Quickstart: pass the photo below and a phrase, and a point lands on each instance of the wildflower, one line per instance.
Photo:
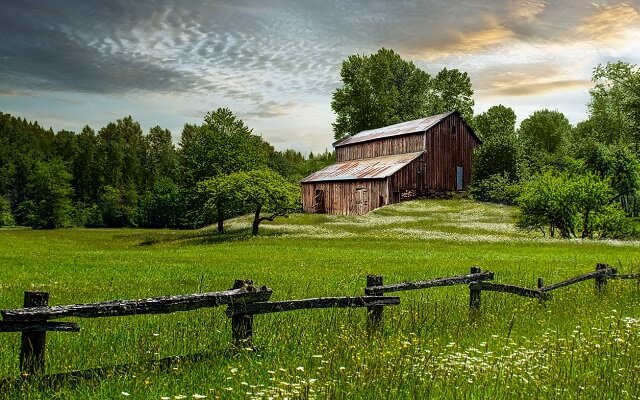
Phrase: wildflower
(199, 396)
(125, 393)
(300, 369)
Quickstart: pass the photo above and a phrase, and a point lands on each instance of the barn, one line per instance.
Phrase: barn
(424, 157)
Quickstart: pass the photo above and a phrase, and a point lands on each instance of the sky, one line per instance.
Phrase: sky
(276, 63)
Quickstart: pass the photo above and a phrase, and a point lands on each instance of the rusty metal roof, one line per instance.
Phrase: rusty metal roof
(403, 128)
(367, 168)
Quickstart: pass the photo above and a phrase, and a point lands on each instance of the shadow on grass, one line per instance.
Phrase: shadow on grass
(95, 375)
(204, 237)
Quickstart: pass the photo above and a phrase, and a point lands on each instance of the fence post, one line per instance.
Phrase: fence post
(33, 343)
(242, 325)
(600, 281)
(374, 313)
(540, 285)
(474, 291)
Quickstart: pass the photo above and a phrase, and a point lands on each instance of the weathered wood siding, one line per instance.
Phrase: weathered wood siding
(381, 147)
(447, 145)
(346, 197)
(446, 149)
(342, 197)
(411, 177)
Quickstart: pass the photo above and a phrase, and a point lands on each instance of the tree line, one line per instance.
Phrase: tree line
(120, 177)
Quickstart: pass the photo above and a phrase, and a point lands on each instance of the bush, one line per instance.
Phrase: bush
(564, 203)
(6, 217)
(497, 188)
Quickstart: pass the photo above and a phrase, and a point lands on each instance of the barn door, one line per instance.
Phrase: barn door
(459, 178)
(319, 201)
(361, 201)
(421, 175)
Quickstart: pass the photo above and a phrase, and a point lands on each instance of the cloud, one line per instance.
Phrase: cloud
(270, 109)
(526, 10)
(609, 24)
(538, 88)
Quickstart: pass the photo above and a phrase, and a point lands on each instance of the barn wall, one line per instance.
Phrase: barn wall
(446, 150)
(411, 178)
(341, 197)
(383, 147)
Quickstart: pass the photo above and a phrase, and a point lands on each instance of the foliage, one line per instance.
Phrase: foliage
(497, 188)
(619, 165)
(118, 205)
(383, 89)
(451, 90)
(49, 192)
(378, 90)
(544, 136)
(254, 191)
(221, 145)
(500, 153)
(497, 122)
(6, 216)
(615, 104)
(160, 207)
(566, 203)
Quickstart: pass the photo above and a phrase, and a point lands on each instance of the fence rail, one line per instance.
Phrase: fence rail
(155, 305)
(244, 300)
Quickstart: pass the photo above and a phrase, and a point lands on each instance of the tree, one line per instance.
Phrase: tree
(566, 202)
(619, 166)
(497, 122)
(6, 217)
(451, 90)
(500, 152)
(544, 136)
(615, 104)
(221, 145)
(49, 190)
(255, 191)
(86, 167)
(497, 163)
(160, 207)
(383, 89)
(378, 90)
(159, 158)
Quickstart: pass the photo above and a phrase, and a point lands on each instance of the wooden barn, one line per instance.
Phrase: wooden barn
(428, 156)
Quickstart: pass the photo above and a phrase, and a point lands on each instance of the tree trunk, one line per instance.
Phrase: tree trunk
(220, 218)
(256, 220)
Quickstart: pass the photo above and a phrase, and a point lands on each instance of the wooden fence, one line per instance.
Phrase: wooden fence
(244, 300)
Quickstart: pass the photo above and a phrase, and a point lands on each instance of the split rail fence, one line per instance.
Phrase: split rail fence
(244, 300)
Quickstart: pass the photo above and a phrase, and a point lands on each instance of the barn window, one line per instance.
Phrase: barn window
(453, 130)
(459, 177)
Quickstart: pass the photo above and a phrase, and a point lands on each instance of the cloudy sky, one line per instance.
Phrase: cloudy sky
(276, 63)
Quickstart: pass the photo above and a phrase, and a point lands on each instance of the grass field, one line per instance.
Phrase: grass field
(579, 345)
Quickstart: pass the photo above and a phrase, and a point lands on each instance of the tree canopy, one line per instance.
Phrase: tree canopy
(383, 89)
(255, 191)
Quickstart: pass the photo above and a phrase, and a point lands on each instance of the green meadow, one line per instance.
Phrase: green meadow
(580, 344)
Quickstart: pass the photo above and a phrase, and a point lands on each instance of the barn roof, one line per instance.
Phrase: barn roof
(367, 168)
(403, 128)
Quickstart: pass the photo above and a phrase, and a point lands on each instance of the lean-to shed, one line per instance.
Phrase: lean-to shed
(381, 166)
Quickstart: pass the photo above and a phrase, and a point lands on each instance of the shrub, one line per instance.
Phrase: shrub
(6, 217)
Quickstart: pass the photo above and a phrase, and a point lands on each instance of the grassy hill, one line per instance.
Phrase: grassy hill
(580, 344)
